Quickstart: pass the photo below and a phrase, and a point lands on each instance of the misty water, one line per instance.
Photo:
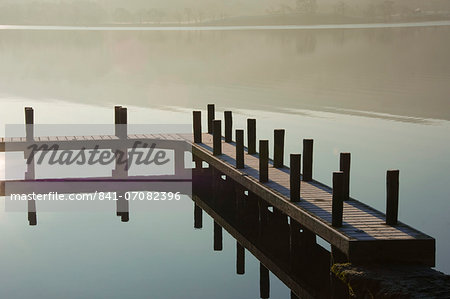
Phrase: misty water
(380, 93)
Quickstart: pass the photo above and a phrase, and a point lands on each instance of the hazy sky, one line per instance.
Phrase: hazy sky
(173, 10)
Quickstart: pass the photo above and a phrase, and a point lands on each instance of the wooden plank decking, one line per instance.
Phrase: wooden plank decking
(364, 235)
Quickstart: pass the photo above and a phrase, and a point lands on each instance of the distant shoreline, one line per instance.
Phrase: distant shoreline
(266, 20)
(226, 27)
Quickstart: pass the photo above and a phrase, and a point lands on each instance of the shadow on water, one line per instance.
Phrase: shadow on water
(281, 245)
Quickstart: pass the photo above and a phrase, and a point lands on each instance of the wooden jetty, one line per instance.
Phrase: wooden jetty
(357, 233)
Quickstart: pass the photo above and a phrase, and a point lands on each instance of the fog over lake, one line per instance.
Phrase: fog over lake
(380, 93)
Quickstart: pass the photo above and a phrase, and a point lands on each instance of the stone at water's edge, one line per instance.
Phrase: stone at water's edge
(392, 281)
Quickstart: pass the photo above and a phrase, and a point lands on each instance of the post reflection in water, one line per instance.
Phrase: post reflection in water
(240, 259)
(281, 245)
(198, 217)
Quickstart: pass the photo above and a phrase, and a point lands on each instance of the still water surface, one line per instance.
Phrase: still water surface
(380, 93)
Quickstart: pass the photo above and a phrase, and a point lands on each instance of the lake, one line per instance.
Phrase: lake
(380, 93)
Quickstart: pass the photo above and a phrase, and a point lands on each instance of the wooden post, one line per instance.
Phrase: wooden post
(198, 217)
(251, 135)
(263, 161)
(240, 259)
(117, 119)
(278, 148)
(125, 217)
(307, 159)
(228, 126)
(338, 196)
(295, 165)
(217, 137)
(30, 173)
(123, 115)
(211, 117)
(217, 237)
(197, 115)
(345, 168)
(264, 283)
(29, 122)
(32, 218)
(123, 122)
(239, 149)
(117, 114)
(392, 183)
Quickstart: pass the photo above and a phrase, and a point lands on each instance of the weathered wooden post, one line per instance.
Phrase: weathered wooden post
(29, 123)
(30, 173)
(392, 185)
(307, 159)
(263, 161)
(198, 217)
(338, 198)
(217, 137)
(251, 136)
(32, 217)
(295, 165)
(123, 122)
(278, 148)
(124, 134)
(211, 117)
(197, 115)
(239, 149)
(217, 237)
(125, 216)
(228, 125)
(117, 120)
(240, 259)
(122, 205)
(264, 283)
(345, 168)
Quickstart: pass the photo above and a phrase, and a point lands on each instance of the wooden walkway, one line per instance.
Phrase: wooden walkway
(363, 237)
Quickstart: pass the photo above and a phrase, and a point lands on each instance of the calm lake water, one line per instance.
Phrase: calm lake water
(380, 93)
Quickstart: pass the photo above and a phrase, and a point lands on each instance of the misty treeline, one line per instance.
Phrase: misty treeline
(96, 12)
(199, 11)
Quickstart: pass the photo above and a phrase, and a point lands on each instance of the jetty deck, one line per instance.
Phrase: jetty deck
(363, 235)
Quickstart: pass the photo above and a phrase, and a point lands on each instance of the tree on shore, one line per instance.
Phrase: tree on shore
(306, 6)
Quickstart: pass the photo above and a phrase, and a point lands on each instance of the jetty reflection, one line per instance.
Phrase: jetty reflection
(282, 245)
